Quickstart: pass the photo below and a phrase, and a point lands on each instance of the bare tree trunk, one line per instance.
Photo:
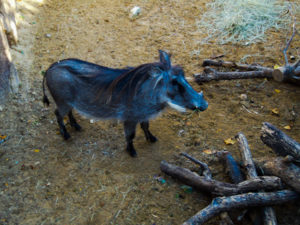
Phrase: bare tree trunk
(8, 36)
(8, 19)
(5, 64)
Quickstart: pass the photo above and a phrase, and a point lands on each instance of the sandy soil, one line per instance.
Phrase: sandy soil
(91, 179)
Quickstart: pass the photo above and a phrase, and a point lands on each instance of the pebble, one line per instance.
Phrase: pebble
(135, 12)
(243, 96)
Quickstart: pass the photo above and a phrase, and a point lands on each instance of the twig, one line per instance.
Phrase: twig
(291, 38)
(206, 171)
(223, 204)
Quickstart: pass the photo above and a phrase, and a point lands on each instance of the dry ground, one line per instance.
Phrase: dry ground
(91, 179)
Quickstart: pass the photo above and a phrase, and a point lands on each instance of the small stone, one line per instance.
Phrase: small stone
(135, 12)
(243, 97)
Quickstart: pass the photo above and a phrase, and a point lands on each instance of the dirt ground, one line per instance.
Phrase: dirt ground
(90, 179)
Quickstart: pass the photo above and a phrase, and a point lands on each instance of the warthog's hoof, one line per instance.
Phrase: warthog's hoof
(131, 151)
(66, 135)
(77, 127)
(152, 139)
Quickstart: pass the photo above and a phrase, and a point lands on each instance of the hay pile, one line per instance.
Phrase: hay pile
(243, 21)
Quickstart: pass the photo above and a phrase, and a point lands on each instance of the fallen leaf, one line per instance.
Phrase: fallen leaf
(3, 137)
(36, 150)
(207, 151)
(275, 111)
(229, 141)
(288, 127)
(277, 90)
(276, 66)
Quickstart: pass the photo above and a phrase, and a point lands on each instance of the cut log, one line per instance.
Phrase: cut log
(211, 74)
(8, 20)
(288, 73)
(280, 167)
(223, 204)
(217, 187)
(281, 143)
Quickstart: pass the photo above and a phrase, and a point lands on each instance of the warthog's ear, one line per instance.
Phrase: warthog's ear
(165, 59)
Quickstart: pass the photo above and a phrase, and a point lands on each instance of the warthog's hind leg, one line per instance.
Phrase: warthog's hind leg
(73, 122)
(149, 137)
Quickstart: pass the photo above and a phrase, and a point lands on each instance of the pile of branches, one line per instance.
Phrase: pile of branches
(287, 73)
(279, 182)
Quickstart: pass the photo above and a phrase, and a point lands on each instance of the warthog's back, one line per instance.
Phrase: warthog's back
(87, 88)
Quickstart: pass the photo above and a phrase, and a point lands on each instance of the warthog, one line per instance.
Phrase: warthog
(132, 95)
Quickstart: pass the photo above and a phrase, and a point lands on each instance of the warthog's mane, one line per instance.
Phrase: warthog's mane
(129, 83)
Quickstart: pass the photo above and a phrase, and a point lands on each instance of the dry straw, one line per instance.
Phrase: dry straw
(243, 21)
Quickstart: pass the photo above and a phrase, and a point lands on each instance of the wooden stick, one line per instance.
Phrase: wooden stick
(223, 204)
(246, 156)
(288, 172)
(217, 187)
(270, 216)
(206, 171)
(221, 63)
(211, 74)
(281, 143)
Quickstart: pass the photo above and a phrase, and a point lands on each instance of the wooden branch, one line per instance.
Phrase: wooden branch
(223, 204)
(281, 143)
(246, 156)
(280, 167)
(206, 171)
(221, 63)
(217, 187)
(211, 74)
(251, 172)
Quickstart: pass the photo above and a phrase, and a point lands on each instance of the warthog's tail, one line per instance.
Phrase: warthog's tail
(45, 98)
